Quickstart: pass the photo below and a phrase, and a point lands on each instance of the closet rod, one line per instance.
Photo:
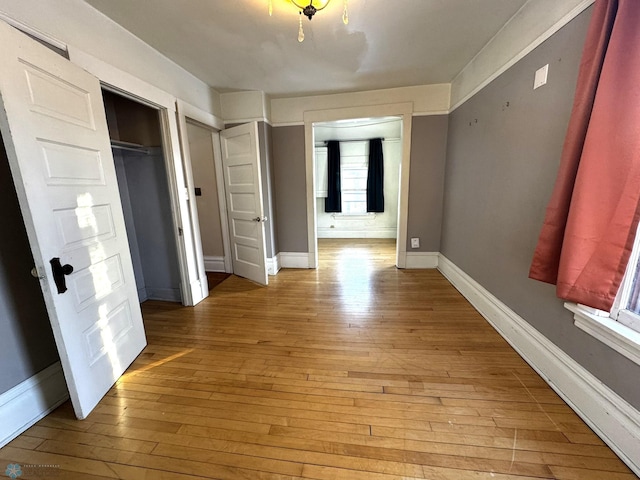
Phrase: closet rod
(130, 147)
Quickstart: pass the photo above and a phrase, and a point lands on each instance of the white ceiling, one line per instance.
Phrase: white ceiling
(235, 44)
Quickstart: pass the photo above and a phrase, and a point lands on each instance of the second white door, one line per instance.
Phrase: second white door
(243, 187)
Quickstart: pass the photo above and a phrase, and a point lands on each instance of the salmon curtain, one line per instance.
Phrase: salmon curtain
(592, 217)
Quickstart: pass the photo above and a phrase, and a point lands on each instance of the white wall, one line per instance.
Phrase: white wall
(84, 29)
(371, 225)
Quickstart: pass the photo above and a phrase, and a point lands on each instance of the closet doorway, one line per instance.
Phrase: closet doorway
(136, 139)
(353, 229)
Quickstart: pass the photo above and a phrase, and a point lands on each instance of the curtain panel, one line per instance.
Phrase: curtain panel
(333, 202)
(592, 217)
(375, 177)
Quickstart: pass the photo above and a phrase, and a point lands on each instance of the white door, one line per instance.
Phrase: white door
(54, 128)
(243, 187)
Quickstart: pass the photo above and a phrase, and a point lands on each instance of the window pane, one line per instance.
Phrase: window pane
(634, 298)
(352, 208)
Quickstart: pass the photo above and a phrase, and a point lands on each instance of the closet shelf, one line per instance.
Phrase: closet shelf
(130, 147)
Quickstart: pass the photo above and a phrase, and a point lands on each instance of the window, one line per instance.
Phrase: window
(354, 189)
(620, 328)
(626, 309)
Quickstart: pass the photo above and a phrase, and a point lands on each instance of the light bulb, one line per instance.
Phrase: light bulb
(270, 8)
(300, 31)
(345, 13)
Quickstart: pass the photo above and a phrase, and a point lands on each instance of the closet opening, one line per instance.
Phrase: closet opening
(136, 140)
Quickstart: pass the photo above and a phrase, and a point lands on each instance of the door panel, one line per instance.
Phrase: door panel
(243, 187)
(54, 127)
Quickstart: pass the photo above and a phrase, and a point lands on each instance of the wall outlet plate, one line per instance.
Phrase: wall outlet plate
(415, 242)
(541, 76)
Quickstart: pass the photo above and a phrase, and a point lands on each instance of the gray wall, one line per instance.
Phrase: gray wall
(268, 192)
(148, 191)
(426, 178)
(204, 177)
(503, 153)
(426, 181)
(289, 170)
(26, 339)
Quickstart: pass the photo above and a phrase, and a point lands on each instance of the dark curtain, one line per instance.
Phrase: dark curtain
(592, 217)
(375, 177)
(333, 202)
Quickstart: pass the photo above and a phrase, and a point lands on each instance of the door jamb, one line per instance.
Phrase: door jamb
(125, 84)
(402, 110)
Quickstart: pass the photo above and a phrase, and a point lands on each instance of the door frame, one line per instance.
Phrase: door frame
(401, 110)
(190, 113)
(193, 286)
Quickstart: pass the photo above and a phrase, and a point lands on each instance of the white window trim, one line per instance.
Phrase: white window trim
(621, 338)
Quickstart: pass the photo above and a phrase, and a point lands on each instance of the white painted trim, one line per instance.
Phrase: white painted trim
(197, 114)
(273, 265)
(422, 260)
(122, 82)
(403, 110)
(295, 260)
(214, 264)
(621, 338)
(237, 121)
(615, 421)
(34, 32)
(489, 47)
(31, 400)
(288, 124)
(431, 113)
(222, 201)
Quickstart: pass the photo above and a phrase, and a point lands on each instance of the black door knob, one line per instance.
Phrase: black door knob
(59, 271)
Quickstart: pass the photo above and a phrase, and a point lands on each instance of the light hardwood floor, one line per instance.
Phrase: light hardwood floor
(354, 371)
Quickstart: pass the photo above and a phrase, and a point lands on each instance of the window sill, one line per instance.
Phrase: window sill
(617, 336)
(352, 215)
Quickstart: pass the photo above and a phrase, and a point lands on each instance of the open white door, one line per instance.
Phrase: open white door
(53, 124)
(243, 187)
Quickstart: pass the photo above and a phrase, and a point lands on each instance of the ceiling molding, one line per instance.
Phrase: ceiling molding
(534, 23)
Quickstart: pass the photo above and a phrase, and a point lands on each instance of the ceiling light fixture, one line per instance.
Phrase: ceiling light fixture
(310, 10)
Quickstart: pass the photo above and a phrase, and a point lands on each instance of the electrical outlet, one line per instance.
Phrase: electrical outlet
(415, 242)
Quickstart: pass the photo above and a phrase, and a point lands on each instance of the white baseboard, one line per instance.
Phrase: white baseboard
(31, 400)
(273, 265)
(422, 260)
(345, 233)
(214, 264)
(294, 260)
(615, 421)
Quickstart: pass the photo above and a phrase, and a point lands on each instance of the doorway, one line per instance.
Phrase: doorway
(353, 226)
(22, 307)
(136, 140)
(209, 196)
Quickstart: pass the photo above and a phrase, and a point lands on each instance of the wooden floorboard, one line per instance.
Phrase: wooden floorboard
(356, 370)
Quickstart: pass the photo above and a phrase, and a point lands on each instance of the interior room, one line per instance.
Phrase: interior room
(482, 324)
(356, 221)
